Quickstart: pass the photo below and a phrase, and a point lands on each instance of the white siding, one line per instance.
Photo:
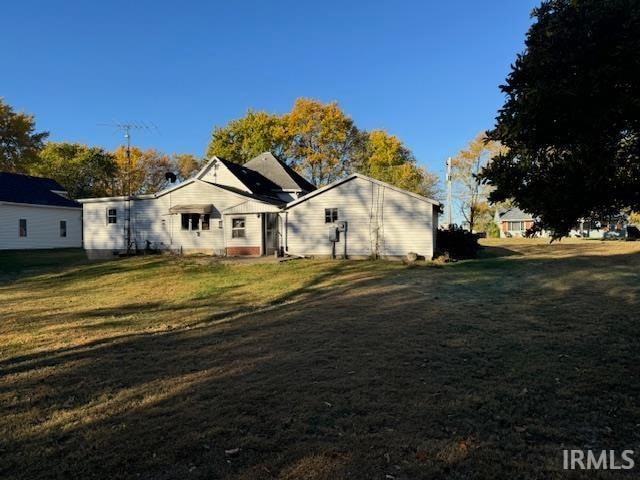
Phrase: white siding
(43, 227)
(253, 230)
(380, 219)
(152, 221)
(221, 175)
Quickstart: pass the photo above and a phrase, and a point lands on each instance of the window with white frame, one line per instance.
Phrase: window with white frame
(330, 215)
(63, 228)
(237, 227)
(515, 226)
(112, 215)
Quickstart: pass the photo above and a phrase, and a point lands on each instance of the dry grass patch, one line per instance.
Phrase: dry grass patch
(162, 368)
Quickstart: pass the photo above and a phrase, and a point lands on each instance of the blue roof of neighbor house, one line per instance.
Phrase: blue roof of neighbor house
(18, 188)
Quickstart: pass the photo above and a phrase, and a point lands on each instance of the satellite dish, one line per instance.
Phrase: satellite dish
(171, 177)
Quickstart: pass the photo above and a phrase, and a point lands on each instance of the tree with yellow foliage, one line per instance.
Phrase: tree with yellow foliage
(386, 158)
(323, 143)
(147, 169)
(470, 191)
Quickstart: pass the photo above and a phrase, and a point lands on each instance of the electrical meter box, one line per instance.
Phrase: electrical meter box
(334, 235)
(342, 226)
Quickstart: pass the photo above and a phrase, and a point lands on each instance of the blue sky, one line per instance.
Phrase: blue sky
(427, 72)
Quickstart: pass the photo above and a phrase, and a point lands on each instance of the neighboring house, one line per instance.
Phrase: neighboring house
(36, 213)
(513, 222)
(260, 208)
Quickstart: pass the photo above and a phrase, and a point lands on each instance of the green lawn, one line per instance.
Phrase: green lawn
(160, 367)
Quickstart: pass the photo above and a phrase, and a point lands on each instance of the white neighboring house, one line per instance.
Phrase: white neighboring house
(35, 212)
(260, 208)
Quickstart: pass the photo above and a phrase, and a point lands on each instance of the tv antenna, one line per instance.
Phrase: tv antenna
(126, 128)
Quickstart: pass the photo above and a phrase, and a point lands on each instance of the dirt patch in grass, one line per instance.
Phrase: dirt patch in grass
(314, 370)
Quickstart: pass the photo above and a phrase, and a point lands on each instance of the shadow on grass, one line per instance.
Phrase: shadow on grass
(458, 372)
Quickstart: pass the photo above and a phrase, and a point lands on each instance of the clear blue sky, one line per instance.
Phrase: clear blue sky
(427, 72)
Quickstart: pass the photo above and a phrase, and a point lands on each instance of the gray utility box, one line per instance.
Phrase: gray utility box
(342, 225)
(334, 235)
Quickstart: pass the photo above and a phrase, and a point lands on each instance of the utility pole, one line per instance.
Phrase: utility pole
(449, 219)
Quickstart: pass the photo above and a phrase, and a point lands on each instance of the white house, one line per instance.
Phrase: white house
(260, 208)
(36, 213)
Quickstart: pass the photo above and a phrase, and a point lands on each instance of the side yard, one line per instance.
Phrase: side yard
(157, 367)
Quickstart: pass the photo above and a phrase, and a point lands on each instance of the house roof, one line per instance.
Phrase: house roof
(364, 177)
(18, 188)
(252, 179)
(282, 175)
(513, 214)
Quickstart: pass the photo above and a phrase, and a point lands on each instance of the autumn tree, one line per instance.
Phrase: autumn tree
(472, 194)
(323, 143)
(244, 138)
(571, 118)
(145, 170)
(83, 171)
(323, 140)
(19, 141)
(386, 158)
(186, 165)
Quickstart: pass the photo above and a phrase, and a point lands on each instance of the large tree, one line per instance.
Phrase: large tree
(472, 194)
(571, 120)
(83, 171)
(19, 141)
(386, 158)
(144, 172)
(323, 140)
(244, 138)
(323, 143)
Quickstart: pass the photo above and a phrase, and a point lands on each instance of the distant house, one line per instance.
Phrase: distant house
(513, 222)
(260, 208)
(36, 213)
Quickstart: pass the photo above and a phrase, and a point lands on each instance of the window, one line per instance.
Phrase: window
(206, 219)
(185, 221)
(330, 215)
(63, 228)
(23, 227)
(237, 228)
(191, 221)
(112, 215)
(515, 226)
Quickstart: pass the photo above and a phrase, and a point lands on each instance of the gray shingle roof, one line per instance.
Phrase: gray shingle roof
(18, 188)
(285, 177)
(514, 213)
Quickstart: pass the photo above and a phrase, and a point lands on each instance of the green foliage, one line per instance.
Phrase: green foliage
(388, 159)
(244, 138)
(571, 120)
(83, 171)
(19, 142)
(322, 143)
(493, 230)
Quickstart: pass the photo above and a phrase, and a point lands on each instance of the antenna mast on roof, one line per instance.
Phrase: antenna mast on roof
(126, 128)
(449, 192)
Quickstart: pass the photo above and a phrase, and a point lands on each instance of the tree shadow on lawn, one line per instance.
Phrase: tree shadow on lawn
(417, 373)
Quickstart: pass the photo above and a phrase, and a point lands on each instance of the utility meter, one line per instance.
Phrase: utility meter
(342, 225)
